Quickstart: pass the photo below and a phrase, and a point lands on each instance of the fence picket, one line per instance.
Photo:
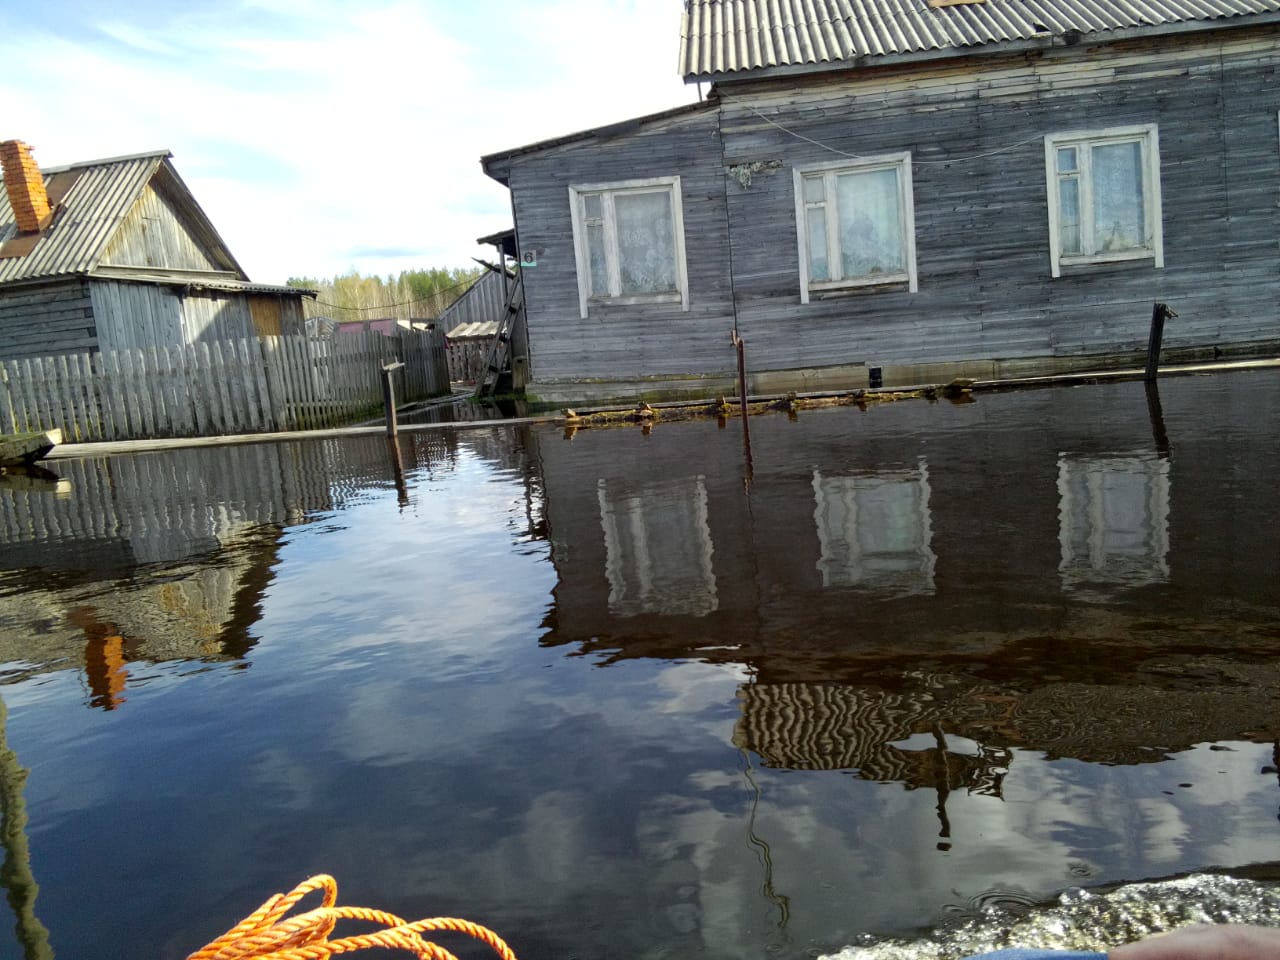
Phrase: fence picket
(85, 397)
(256, 397)
(216, 422)
(106, 398)
(257, 384)
(226, 391)
(138, 389)
(275, 383)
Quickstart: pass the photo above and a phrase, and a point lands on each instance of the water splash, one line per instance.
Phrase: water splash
(1081, 920)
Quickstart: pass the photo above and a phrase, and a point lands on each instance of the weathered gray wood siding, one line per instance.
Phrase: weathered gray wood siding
(136, 314)
(154, 235)
(974, 127)
(985, 287)
(44, 319)
(216, 316)
(616, 341)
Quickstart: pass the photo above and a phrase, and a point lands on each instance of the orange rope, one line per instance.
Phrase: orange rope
(266, 935)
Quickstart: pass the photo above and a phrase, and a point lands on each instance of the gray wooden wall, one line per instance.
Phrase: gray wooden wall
(985, 288)
(153, 235)
(133, 315)
(42, 319)
(615, 340)
(981, 225)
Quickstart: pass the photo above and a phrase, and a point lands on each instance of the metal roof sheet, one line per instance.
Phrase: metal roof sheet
(473, 329)
(721, 37)
(192, 282)
(93, 208)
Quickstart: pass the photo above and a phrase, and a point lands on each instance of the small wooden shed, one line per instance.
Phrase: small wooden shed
(117, 253)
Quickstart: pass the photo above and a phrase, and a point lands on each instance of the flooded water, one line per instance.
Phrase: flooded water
(927, 666)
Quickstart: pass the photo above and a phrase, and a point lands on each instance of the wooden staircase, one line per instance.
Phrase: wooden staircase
(498, 356)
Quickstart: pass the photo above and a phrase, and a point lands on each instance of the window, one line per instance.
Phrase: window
(855, 224)
(629, 241)
(1104, 196)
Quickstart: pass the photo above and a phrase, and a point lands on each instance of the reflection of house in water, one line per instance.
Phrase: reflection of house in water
(842, 579)
(658, 548)
(166, 556)
(887, 736)
(1114, 515)
(875, 532)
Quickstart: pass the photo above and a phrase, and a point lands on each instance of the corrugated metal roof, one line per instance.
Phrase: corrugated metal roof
(463, 331)
(721, 37)
(192, 282)
(103, 193)
(481, 305)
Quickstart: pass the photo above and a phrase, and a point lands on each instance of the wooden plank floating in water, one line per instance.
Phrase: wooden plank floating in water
(22, 448)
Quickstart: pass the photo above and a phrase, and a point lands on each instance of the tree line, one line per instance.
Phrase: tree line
(413, 294)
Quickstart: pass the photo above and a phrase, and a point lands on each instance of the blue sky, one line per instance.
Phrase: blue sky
(326, 135)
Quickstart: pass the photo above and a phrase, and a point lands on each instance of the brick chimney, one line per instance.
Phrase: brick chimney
(24, 183)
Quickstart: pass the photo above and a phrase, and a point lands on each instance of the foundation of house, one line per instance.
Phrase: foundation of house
(860, 376)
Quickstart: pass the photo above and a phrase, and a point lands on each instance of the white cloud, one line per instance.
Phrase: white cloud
(310, 131)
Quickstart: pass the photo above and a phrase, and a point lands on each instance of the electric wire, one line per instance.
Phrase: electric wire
(915, 162)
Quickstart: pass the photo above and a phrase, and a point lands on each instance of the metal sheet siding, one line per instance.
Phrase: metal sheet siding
(91, 210)
(730, 36)
(482, 303)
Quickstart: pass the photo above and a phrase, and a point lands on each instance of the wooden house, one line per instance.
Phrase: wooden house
(117, 253)
(909, 190)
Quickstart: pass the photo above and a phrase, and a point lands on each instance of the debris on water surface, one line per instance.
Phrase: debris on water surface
(1081, 920)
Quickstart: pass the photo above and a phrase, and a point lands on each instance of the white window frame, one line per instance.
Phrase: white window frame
(906, 212)
(1145, 134)
(586, 295)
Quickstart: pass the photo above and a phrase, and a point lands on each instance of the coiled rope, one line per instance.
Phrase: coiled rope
(267, 935)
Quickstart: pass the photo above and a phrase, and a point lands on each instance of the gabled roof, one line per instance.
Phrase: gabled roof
(98, 196)
(727, 39)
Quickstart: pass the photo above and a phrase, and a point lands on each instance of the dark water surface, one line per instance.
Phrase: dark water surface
(623, 695)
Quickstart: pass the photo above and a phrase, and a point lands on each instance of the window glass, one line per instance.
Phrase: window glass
(591, 206)
(1118, 216)
(818, 269)
(646, 244)
(1067, 160)
(870, 225)
(1069, 214)
(596, 256)
(814, 190)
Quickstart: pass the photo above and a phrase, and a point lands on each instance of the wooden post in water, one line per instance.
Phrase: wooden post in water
(389, 396)
(1159, 312)
(738, 344)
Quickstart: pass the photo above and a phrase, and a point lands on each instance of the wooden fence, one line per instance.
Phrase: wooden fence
(220, 387)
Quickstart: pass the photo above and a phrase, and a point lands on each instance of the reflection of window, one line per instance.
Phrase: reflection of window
(1104, 196)
(658, 549)
(875, 531)
(856, 224)
(629, 241)
(1114, 515)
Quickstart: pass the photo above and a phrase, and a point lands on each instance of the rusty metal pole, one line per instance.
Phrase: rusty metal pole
(738, 344)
